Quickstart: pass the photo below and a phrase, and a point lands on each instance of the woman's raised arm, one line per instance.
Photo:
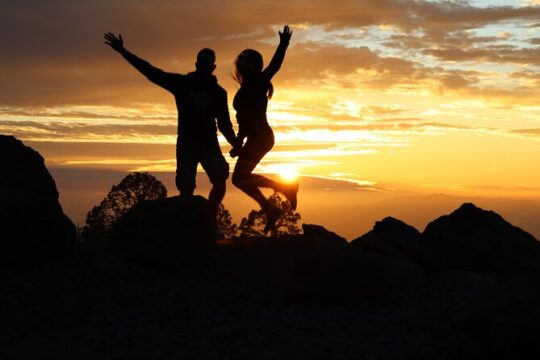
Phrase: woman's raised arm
(279, 55)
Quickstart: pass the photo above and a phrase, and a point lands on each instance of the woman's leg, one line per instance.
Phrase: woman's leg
(254, 150)
(244, 179)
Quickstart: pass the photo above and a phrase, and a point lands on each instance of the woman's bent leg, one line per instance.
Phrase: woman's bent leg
(243, 176)
(249, 183)
(245, 180)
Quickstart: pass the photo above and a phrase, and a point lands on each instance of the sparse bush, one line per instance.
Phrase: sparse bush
(131, 190)
(287, 224)
(225, 222)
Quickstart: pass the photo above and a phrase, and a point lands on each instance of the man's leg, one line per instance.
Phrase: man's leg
(187, 159)
(217, 193)
(217, 169)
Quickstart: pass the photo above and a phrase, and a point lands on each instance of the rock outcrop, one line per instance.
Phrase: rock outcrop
(392, 237)
(162, 230)
(321, 236)
(32, 222)
(474, 239)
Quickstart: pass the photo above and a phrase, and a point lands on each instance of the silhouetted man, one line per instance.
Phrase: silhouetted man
(200, 102)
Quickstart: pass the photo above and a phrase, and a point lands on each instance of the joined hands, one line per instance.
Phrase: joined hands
(235, 151)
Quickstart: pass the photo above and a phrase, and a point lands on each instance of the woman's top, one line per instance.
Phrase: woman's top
(251, 100)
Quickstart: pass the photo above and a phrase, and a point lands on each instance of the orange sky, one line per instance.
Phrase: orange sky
(393, 97)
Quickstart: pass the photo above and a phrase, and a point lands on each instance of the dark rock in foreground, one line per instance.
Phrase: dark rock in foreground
(329, 269)
(392, 237)
(502, 322)
(350, 275)
(32, 222)
(474, 239)
(156, 230)
(275, 297)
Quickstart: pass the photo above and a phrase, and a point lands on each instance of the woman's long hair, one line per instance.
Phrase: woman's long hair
(248, 64)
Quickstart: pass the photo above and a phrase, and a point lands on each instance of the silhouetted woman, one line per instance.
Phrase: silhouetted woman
(250, 103)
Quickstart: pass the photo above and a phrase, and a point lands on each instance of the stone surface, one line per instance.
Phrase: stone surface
(502, 323)
(32, 222)
(162, 229)
(350, 275)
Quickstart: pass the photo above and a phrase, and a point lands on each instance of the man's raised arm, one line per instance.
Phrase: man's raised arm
(152, 73)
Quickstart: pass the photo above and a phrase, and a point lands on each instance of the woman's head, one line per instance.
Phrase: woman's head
(248, 64)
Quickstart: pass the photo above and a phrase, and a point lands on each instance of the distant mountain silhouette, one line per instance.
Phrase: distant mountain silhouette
(467, 239)
(471, 238)
(394, 238)
(32, 222)
(320, 234)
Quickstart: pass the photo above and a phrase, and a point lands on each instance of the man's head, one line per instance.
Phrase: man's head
(206, 59)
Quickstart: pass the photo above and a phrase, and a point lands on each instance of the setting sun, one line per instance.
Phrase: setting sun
(288, 173)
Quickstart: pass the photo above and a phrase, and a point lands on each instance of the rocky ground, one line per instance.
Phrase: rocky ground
(230, 302)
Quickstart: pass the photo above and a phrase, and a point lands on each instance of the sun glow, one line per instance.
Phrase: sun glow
(288, 172)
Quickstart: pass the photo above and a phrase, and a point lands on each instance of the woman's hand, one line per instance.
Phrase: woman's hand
(235, 151)
(237, 147)
(117, 43)
(285, 35)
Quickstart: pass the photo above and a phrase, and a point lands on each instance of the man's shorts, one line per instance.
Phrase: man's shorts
(188, 157)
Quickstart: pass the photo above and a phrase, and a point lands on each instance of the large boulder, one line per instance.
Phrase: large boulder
(474, 239)
(317, 234)
(163, 230)
(393, 237)
(32, 222)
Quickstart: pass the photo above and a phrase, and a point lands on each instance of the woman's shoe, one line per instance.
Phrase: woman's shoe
(290, 191)
(272, 215)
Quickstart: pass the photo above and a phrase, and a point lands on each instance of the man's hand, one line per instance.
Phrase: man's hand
(285, 35)
(117, 43)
